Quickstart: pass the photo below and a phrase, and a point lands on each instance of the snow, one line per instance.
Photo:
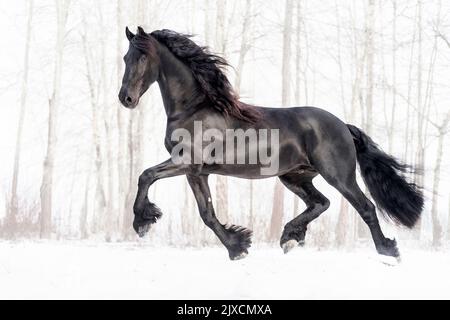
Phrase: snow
(80, 270)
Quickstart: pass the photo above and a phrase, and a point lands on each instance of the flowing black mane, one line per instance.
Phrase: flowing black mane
(207, 69)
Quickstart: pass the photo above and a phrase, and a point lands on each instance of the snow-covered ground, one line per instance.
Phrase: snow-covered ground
(129, 271)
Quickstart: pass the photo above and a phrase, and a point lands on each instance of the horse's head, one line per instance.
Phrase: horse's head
(141, 67)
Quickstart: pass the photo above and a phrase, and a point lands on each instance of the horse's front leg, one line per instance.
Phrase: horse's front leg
(236, 239)
(145, 212)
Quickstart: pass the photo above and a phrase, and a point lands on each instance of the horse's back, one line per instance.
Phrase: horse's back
(324, 126)
(322, 137)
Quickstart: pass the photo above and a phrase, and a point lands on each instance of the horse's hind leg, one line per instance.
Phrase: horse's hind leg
(236, 239)
(342, 176)
(352, 192)
(295, 231)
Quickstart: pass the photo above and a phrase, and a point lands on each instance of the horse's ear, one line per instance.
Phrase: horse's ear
(141, 31)
(130, 35)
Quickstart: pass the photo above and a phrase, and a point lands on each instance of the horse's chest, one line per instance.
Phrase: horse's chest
(176, 134)
(169, 144)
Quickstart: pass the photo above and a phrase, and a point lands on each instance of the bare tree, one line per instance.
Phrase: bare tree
(207, 23)
(359, 63)
(286, 68)
(340, 62)
(298, 71)
(245, 44)
(122, 154)
(346, 218)
(442, 129)
(221, 45)
(191, 22)
(448, 219)
(45, 217)
(109, 215)
(394, 76)
(278, 197)
(12, 214)
(408, 135)
(94, 95)
(221, 26)
(84, 229)
(370, 65)
(420, 105)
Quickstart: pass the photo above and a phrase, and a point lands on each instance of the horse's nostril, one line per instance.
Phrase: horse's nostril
(128, 100)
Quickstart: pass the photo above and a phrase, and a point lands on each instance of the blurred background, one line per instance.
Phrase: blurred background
(71, 155)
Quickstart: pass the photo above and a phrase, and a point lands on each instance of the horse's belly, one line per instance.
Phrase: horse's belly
(254, 171)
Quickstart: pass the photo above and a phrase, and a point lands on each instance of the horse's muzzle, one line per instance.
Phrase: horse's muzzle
(127, 100)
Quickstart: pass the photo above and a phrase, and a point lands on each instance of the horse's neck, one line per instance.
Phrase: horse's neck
(178, 87)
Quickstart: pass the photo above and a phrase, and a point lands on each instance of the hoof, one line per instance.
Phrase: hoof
(240, 239)
(389, 261)
(143, 230)
(389, 249)
(292, 238)
(288, 246)
(145, 217)
(240, 256)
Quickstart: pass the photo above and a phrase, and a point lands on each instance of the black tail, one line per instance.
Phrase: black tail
(383, 175)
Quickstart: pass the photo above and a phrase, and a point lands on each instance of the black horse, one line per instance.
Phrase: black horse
(311, 142)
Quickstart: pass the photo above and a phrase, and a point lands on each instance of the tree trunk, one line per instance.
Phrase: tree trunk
(222, 199)
(409, 137)
(339, 61)
(370, 64)
(207, 24)
(344, 225)
(286, 68)
(298, 53)
(420, 115)
(437, 228)
(109, 214)
(132, 183)
(45, 217)
(99, 194)
(244, 49)
(359, 60)
(221, 41)
(192, 16)
(245, 45)
(419, 161)
(368, 106)
(448, 219)
(252, 206)
(394, 78)
(276, 220)
(84, 230)
(122, 155)
(278, 198)
(14, 208)
(221, 45)
(442, 130)
(298, 72)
